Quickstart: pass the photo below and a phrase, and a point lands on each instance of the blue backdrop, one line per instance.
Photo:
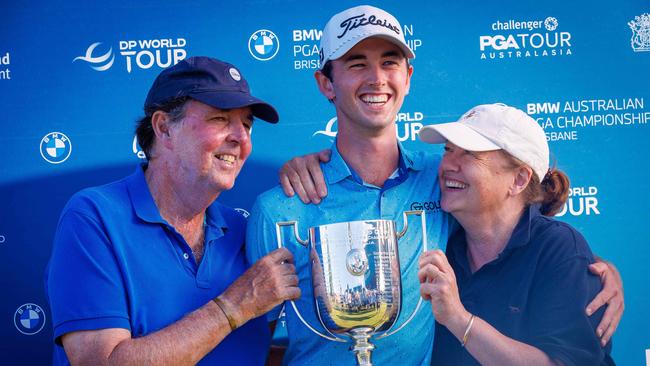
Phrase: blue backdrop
(73, 78)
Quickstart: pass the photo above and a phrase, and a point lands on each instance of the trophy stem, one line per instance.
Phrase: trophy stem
(362, 348)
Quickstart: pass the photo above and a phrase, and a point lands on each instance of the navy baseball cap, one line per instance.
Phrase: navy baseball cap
(210, 81)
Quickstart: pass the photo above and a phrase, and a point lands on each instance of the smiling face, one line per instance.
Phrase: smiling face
(474, 182)
(368, 84)
(209, 146)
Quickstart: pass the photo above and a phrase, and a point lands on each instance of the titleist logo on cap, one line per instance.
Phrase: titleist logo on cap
(360, 21)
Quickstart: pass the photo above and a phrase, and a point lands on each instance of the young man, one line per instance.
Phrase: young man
(366, 75)
(149, 270)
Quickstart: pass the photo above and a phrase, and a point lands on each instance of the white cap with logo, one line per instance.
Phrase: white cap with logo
(497, 126)
(349, 27)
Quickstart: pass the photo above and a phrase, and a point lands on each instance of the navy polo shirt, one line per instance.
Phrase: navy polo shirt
(535, 291)
(116, 263)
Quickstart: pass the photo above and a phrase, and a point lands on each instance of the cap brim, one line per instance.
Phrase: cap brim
(458, 134)
(234, 99)
(348, 46)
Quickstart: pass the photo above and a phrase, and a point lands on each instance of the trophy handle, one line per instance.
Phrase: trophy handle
(303, 242)
(400, 234)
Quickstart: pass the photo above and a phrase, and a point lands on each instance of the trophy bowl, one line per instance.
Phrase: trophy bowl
(355, 274)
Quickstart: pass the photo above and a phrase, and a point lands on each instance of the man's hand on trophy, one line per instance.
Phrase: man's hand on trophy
(438, 286)
(268, 283)
(303, 175)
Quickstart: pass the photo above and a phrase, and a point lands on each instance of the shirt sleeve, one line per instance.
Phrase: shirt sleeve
(260, 241)
(560, 295)
(84, 282)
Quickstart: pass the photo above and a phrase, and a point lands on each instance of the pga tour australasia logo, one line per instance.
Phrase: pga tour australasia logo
(516, 38)
(640, 33)
(29, 319)
(55, 147)
(263, 45)
(100, 62)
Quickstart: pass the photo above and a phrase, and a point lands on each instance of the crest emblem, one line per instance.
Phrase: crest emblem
(640, 27)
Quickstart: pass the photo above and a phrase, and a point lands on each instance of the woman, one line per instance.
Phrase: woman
(514, 283)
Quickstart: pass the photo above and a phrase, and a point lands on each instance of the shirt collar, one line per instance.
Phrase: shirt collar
(337, 169)
(521, 234)
(215, 216)
(141, 198)
(520, 237)
(146, 209)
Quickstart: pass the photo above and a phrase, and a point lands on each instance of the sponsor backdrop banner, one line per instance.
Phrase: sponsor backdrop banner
(74, 76)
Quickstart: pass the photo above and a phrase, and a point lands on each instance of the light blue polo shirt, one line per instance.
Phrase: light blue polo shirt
(116, 263)
(414, 186)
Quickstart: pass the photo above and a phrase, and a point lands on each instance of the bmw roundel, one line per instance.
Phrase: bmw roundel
(263, 45)
(29, 319)
(56, 147)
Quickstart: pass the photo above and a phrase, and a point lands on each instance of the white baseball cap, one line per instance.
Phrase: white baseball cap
(349, 27)
(494, 127)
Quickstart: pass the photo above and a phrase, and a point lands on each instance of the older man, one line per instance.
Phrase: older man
(150, 269)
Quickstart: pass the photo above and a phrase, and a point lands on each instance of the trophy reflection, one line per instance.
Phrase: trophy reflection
(355, 275)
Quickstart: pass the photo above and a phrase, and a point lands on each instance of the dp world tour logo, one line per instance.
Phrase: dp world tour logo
(99, 63)
(29, 319)
(136, 148)
(329, 130)
(56, 147)
(263, 45)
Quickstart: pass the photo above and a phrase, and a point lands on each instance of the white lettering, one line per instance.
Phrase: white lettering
(546, 108)
(414, 43)
(579, 206)
(300, 35)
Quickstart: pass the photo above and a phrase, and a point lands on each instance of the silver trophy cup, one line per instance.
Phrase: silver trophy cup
(355, 275)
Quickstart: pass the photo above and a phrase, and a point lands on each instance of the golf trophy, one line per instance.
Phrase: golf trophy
(355, 275)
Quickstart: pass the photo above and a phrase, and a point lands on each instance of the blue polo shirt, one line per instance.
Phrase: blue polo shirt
(116, 263)
(535, 291)
(413, 186)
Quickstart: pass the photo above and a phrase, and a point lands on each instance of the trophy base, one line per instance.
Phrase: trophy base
(362, 348)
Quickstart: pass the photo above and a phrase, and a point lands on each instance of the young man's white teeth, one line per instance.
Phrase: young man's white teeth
(374, 98)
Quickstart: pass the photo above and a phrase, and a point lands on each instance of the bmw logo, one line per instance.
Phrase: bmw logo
(29, 319)
(56, 147)
(263, 45)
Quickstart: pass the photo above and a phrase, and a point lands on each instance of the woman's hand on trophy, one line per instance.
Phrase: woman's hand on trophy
(303, 175)
(438, 286)
(268, 283)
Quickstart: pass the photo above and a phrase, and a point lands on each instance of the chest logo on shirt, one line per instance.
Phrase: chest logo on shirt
(29, 319)
(429, 206)
(357, 262)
